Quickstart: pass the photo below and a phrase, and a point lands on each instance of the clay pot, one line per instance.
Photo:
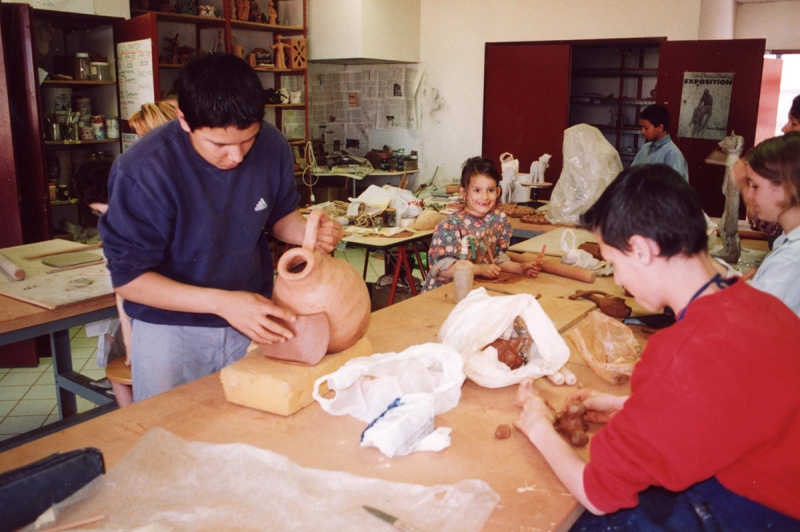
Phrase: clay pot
(310, 282)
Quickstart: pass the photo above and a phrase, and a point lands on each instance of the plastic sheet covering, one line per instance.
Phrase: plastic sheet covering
(590, 164)
(166, 483)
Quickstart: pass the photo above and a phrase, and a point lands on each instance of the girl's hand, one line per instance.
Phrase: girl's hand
(531, 269)
(489, 271)
(600, 407)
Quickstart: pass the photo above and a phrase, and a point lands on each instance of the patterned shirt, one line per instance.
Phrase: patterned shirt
(445, 248)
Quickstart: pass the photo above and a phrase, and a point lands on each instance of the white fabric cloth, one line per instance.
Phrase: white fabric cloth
(779, 274)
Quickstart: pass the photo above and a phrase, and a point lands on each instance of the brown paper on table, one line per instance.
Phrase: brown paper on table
(182, 485)
(608, 346)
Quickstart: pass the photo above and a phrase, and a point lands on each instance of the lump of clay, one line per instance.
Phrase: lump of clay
(503, 432)
(571, 425)
(513, 352)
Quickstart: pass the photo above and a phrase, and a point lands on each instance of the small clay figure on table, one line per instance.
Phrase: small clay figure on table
(280, 56)
(273, 15)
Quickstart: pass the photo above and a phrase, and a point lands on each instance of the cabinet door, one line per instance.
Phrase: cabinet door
(526, 103)
(11, 235)
(26, 124)
(744, 58)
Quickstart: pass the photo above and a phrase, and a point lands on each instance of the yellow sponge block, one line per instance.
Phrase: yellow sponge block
(281, 387)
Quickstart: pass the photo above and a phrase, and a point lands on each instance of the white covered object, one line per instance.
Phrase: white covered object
(590, 164)
(480, 319)
(366, 386)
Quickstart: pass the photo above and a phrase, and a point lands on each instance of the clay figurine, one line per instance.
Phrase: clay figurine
(279, 54)
(173, 49)
(186, 7)
(612, 306)
(273, 15)
(729, 224)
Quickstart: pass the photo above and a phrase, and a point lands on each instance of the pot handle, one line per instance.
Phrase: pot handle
(312, 224)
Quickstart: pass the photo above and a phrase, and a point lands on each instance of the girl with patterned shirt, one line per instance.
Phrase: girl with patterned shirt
(488, 228)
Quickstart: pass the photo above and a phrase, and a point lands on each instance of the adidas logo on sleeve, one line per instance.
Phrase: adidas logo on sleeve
(261, 205)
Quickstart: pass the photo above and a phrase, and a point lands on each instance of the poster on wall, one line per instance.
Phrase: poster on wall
(135, 77)
(705, 103)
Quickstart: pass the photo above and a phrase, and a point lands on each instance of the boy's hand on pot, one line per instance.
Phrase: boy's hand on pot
(328, 234)
(257, 317)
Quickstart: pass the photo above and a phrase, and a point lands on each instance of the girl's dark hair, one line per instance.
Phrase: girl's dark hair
(653, 201)
(478, 165)
(220, 90)
(795, 109)
(91, 180)
(778, 160)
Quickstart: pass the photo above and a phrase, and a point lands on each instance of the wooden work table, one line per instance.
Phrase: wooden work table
(532, 498)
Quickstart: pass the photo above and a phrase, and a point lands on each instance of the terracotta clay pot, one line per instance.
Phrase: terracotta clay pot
(310, 282)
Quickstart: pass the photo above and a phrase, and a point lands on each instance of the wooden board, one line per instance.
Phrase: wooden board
(54, 290)
(71, 259)
(552, 239)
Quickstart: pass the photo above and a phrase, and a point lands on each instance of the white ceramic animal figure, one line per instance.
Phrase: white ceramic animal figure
(507, 185)
(538, 168)
(521, 194)
(729, 224)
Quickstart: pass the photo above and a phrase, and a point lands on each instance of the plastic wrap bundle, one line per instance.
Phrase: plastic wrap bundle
(590, 164)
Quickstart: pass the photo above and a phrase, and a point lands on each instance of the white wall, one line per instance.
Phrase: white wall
(778, 22)
(717, 19)
(453, 36)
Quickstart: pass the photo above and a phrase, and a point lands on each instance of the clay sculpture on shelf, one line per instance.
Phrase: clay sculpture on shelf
(612, 306)
(312, 285)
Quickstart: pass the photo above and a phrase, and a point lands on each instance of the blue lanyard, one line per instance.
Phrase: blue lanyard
(717, 280)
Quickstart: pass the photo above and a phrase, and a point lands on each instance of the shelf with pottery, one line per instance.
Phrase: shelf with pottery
(76, 83)
(180, 18)
(68, 143)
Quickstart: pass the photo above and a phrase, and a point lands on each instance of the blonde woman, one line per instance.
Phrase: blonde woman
(151, 115)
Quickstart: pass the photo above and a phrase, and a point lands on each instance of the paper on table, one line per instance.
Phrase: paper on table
(200, 486)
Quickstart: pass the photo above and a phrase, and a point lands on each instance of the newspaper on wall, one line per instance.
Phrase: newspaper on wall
(705, 104)
(346, 104)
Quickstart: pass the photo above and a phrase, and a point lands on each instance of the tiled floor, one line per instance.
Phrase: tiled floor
(28, 395)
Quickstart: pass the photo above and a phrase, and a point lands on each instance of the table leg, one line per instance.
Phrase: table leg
(422, 270)
(366, 262)
(396, 274)
(62, 363)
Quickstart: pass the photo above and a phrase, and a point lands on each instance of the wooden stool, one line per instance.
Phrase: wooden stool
(121, 383)
(117, 371)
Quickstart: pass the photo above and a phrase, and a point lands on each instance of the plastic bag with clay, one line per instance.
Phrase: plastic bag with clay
(607, 346)
(366, 386)
(590, 164)
(480, 319)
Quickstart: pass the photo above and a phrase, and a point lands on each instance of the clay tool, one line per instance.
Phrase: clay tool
(392, 520)
(7, 265)
(57, 270)
(71, 250)
(488, 250)
(556, 267)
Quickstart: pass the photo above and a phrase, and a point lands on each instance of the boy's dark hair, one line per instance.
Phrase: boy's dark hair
(653, 201)
(778, 161)
(795, 109)
(91, 180)
(220, 90)
(478, 165)
(656, 114)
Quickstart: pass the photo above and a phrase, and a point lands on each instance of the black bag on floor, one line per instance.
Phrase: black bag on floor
(26, 492)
